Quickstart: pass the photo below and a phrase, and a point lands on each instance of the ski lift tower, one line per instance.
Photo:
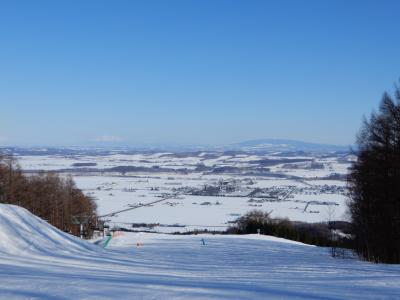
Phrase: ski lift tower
(81, 220)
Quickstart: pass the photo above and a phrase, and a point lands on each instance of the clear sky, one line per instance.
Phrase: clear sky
(214, 72)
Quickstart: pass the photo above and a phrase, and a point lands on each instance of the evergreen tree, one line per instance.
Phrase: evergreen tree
(374, 184)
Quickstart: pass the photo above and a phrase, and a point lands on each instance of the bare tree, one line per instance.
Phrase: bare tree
(46, 195)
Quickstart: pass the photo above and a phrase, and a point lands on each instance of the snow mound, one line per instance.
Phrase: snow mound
(21, 232)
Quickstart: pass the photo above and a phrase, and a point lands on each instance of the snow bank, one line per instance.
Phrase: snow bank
(22, 232)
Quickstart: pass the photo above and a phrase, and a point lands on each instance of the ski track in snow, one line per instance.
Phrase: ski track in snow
(38, 261)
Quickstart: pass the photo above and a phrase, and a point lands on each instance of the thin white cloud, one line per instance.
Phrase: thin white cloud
(108, 138)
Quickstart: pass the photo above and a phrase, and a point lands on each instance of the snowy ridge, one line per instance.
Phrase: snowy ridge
(22, 232)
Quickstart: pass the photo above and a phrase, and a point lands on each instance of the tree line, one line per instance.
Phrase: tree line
(319, 234)
(374, 184)
(49, 196)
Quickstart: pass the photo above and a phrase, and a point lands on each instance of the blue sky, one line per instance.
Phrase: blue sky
(208, 72)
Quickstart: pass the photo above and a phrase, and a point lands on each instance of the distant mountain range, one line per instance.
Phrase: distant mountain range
(259, 146)
(283, 145)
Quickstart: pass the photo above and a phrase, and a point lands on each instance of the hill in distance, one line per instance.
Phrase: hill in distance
(285, 145)
(259, 146)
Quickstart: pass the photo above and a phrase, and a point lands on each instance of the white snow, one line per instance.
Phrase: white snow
(114, 191)
(39, 262)
(22, 232)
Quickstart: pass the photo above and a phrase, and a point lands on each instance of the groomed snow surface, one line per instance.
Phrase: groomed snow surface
(38, 261)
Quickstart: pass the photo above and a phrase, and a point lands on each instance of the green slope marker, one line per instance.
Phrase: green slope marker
(105, 244)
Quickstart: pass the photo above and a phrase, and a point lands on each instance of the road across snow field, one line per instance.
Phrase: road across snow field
(54, 265)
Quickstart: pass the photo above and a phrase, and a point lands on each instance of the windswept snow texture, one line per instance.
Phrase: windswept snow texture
(157, 266)
(22, 232)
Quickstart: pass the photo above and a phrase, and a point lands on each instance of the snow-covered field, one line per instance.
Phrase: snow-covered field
(39, 262)
(210, 190)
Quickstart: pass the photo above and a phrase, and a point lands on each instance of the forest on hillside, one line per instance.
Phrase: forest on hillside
(49, 196)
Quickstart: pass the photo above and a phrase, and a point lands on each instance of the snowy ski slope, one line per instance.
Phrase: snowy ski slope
(39, 262)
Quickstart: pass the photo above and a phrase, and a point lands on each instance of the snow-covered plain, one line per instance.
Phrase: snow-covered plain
(295, 187)
(39, 262)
